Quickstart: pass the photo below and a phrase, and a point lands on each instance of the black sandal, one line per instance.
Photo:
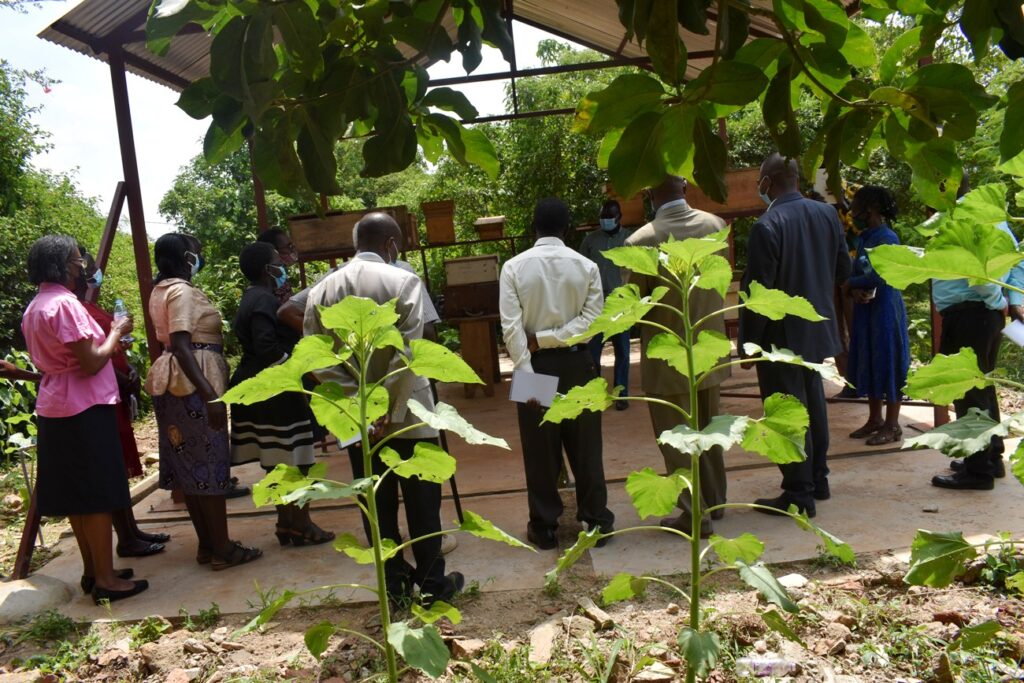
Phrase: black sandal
(89, 582)
(151, 549)
(866, 430)
(884, 436)
(239, 554)
(310, 535)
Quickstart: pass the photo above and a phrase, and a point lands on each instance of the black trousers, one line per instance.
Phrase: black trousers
(422, 513)
(975, 326)
(798, 478)
(581, 438)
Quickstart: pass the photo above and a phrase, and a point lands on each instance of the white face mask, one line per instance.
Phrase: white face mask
(608, 224)
(195, 263)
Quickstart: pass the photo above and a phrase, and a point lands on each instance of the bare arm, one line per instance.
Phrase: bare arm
(292, 314)
(93, 357)
(12, 372)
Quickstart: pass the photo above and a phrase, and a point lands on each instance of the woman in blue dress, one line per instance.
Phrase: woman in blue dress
(879, 344)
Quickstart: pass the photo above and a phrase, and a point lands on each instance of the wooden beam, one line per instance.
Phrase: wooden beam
(133, 189)
(107, 238)
(618, 62)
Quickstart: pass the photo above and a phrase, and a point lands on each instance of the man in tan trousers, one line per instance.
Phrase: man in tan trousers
(675, 218)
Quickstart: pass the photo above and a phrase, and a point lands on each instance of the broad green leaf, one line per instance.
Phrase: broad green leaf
(962, 437)
(330, 399)
(168, 17)
(722, 430)
(432, 360)
(622, 100)
(1015, 583)
(758, 576)
(746, 547)
(709, 159)
(902, 266)
(833, 546)
(624, 587)
(481, 674)
(445, 417)
(638, 160)
(699, 649)
(777, 355)
(450, 100)
(1017, 463)
(937, 171)
(315, 148)
(714, 273)
(1014, 166)
(973, 637)
(778, 623)
(348, 544)
(359, 316)
(779, 117)
(693, 250)
(389, 337)
(476, 525)
(710, 349)
(315, 352)
(584, 542)
(952, 77)
(984, 205)
(220, 143)
(591, 396)
(858, 48)
(667, 52)
(623, 308)
(323, 490)
(429, 462)
(775, 304)
(318, 636)
(896, 53)
(197, 100)
(421, 648)
(302, 35)
(281, 480)
(946, 378)
(937, 557)
(727, 82)
(779, 435)
(439, 610)
(984, 250)
(608, 143)
(642, 260)
(654, 494)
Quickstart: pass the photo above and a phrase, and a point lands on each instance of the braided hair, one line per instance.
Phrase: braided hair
(880, 199)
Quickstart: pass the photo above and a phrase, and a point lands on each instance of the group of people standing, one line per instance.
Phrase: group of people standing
(548, 295)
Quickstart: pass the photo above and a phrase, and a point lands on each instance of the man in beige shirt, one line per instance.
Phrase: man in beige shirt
(548, 295)
(675, 218)
(371, 274)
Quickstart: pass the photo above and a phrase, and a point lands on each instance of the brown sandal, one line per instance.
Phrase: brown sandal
(204, 556)
(866, 430)
(884, 436)
(239, 554)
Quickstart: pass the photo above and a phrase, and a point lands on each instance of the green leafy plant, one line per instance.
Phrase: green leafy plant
(206, 618)
(687, 266)
(964, 242)
(48, 626)
(148, 630)
(360, 328)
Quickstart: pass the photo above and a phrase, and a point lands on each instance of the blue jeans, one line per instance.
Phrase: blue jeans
(620, 342)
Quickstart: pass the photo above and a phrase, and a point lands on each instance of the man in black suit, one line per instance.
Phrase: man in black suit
(796, 246)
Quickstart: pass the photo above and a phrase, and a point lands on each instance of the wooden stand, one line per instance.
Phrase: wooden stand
(479, 350)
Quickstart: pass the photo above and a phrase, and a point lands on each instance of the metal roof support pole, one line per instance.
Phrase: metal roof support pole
(136, 216)
(258, 192)
(513, 69)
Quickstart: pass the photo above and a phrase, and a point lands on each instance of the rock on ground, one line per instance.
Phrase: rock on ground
(27, 597)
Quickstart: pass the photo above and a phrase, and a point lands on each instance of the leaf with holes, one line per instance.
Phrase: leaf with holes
(445, 417)
(722, 430)
(624, 587)
(961, 438)
(746, 547)
(775, 304)
(654, 494)
(348, 544)
(779, 435)
(421, 648)
(591, 396)
(584, 542)
(476, 525)
(429, 462)
(946, 378)
(439, 610)
(828, 373)
(434, 361)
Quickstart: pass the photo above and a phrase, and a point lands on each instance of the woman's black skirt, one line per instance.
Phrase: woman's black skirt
(80, 470)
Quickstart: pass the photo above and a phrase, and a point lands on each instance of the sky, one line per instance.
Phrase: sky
(78, 111)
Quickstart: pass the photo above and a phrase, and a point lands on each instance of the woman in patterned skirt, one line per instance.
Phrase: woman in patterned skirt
(278, 431)
(185, 383)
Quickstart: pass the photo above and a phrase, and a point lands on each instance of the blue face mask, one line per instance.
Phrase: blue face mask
(608, 224)
(195, 263)
(280, 280)
(96, 280)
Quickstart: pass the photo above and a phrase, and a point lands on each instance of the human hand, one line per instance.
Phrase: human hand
(534, 404)
(378, 428)
(217, 415)
(123, 326)
(1016, 313)
(861, 296)
(531, 343)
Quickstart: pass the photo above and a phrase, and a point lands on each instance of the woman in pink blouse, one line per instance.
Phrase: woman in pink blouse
(80, 473)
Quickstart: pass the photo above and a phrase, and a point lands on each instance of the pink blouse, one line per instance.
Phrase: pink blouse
(54, 319)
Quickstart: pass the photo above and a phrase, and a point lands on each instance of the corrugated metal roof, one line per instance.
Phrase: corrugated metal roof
(96, 26)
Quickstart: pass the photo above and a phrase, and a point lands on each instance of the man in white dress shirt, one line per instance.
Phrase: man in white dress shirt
(371, 274)
(549, 294)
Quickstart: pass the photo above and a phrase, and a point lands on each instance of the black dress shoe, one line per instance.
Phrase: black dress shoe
(454, 583)
(821, 490)
(88, 582)
(998, 466)
(621, 405)
(781, 504)
(684, 524)
(603, 541)
(963, 481)
(101, 594)
(544, 540)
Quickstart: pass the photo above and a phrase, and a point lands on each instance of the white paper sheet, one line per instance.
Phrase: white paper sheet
(527, 385)
(1015, 332)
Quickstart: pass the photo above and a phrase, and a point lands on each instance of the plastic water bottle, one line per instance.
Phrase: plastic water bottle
(762, 667)
(121, 311)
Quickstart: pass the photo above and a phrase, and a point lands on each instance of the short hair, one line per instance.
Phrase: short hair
(271, 235)
(610, 203)
(374, 230)
(169, 254)
(254, 259)
(550, 217)
(48, 259)
(878, 198)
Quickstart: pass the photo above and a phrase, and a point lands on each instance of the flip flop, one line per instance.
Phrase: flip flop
(151, 549)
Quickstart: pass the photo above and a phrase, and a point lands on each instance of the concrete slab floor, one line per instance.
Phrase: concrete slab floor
(878, 503)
